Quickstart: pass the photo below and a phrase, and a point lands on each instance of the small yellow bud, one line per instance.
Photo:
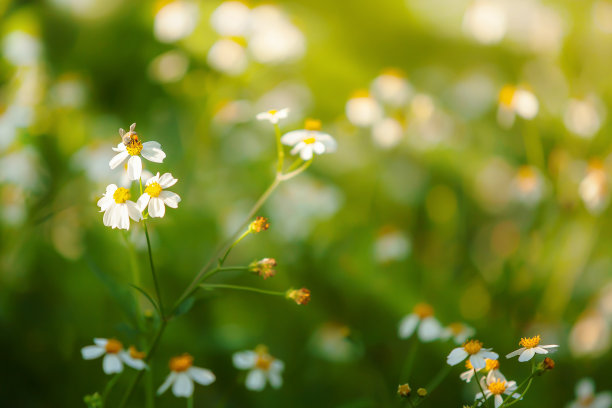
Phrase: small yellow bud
(264, 267)
(422, 392)
(404, 390)
(260, 224)
(300, 296)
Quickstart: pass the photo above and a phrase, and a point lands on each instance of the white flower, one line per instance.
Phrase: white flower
(262, 367)
(273, 115)
(496, 389)
(492, 366)
(458, 331)
(114, 355)
(117, 208)
(586, 397)
(132, 146)
(472, 349)
(155, 196)
(309, 140)
(182, 376)
(362, 110)
(530, 348)
(429, 329)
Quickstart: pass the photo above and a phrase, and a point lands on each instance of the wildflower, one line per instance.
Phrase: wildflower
(114, 355)
(458, 331)
(593, 188)
(132, 146)
(422, 392)
(182, 376)
(546, 365)
(472, 349)
(429, 328)
(404, 390)
(263, 367)
(492, 368)
(264, 267)
(309, 140)
(392, 87)
(496, 389)
(363, 110)
(586, 397)
(530, 347)
(300, 296)
(528, 185)
(273, 116)
(469, 373)
(260, 224)
(118, 208)
(156, 197)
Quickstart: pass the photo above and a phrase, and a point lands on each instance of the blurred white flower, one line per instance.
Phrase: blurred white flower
(594, 189)
(231, 18)
(387, 133)
(262, 368)
(458, 331)
(274, 39)
(531, 347)
(296, 96)
(582, 118)
(331, 341)
(485, 20)
(362, 110)
(69, 92)
(590, 335)
(21, 48)
(273, 115)
(231, 112)
(586, 397)
(602, 15)
(516, 100)
(114, 355)
(309, 140)
(392, 88)
(391, 245)
(175, 21)
(155, 196)
(528, 185)
(134, 147)
(429, 329)
(118, 208)
(227, 56)
(183, 374)
(169, 67)
(473, 351)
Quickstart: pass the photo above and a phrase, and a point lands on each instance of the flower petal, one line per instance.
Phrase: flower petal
(134, 211)
(91, 352)
(244, 360)
(170, 199)
(515, 352)
(456, 356)
(275, 378)
(256, 380)
(526, 355)
(294, 137)
(183, 385)
(143, 200)
(152, 151)
(201, 375)
(498, 400)
(477, 361)
(169, 381)
(134, 168)
(328, 141)
(585, 388)
(407, 326)
(429, 329)
(112, 364)
(167, 180)
(120, 148)
(135, 363)
(491, 355)
(118, 159)
(157, 209)
(306, 152)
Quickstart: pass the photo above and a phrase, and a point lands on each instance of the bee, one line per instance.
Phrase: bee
(130, 136)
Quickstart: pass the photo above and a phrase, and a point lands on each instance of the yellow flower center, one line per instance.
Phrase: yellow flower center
(181, 363)
(134, 147)
(121, 195)
(472, 346)
(530, 342)
(113, 346)
(423, 310)
(456, 328)
(491, 364)
(153, 189)
(498, 387)
(506, 95)
(312, 124)
(468, 365)
(134, 353)
(310, 140)
(272, 111)
(264, 360)
(361, 93)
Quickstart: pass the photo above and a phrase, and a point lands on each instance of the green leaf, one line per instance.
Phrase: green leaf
(185, 306)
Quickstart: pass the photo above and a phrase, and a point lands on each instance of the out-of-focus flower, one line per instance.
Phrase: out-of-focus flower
(231, 112)
(21, 48)
(602, 15)
(175, 20)
(473, 350)
(392, 88)
(404, 390)
(528, 185)
(391, 245)
(156, 197)
(593, 188)
(117, 208)
(485, 20)
(295, 96)
(69, 92)
(582, 117)
(331, 341)
(492, 369)
(590, 335)
(362, 110)
(531, 347)
(458, 331)
(309, 140)
(262, 368)
(114, 355)
(273, 115)
(387, 133)
(496, 389)
(134, 147)
(274, 39)
(228, 56)
(469, 373)
(169, 67)
(516, 100)
(260, 224)
(299, 296)
(183, 374)
(586, 397)
(264, 267)
(429, 329)
(231, 18)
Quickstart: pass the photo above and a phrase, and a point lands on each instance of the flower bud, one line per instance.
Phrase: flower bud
(300, 296)
(404, 390)
(422, 392)
(260, 224)
(264, 267)
(546, 365)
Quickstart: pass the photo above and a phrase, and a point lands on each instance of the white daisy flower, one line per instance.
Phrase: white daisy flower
(468, 374)
(182, 376)
(273, 116)
(132, 146)
(262, 367)
(155, 196)
(496, 389)
(492, 367)
(114, 355)
(309, 140)
(586, 397)
(474, 351)
(459, 332)
(117, 208)
(429, 329)
(530, 348)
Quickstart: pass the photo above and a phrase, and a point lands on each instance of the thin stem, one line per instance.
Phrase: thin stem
(409, 363)
(279, 149)
(133, 260)
(190, 401)
(246, 288)
(433, 384)
(295, 164)
(240, 238)
(294, 173)
(157, 291)
(109, 386)
(529, 379)
(484, 397)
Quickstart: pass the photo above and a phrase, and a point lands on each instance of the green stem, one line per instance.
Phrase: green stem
(279, 150)
(527, 380)
(237, 287)
(133, 259)
(240, 238)
(190, 401)
(294, 173)
(484, 397)
(409, 363)
(156, 283)
(295, 164)
(109, 386)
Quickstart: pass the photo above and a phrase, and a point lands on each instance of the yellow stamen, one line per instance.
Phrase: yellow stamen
(113, 346)
(312, 124)
(456, 328)
(134, 147)
(472, 346)
(468, 365)
(272, 111)
(121, 195)
(423, 310)
(310, 140)
(153, 189)
(506, 95)
(264, 360)
(530, 342)
(498, 387)
(491, 364)
(181, 363)
(394, 72)
(134, 353)
(361, 93)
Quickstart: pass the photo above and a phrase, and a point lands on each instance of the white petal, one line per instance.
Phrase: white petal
(550, 346)
(134, 211)
(318, 147)
(124, 217)
(135, 363)
(157, 209)
(183, 385)
(456, 356)
(100, 342)
(491, 355)
(201, 375)
(134, 168)
(120, 148)
(328, 141)
(407, 326)
(294, 137)
(118, 159)
(297, 148)
(515, 352)
(467, 375)
(306, 152)
(277, 366)
(526, 355)
(153, 179)
(540, 350)
(152, 151)
(105, 202)
(167, 180)
(429, 329)
(112, 364)
(108, 214)
(498, 400)
(477, 361)
(256, 380)
(170, 199)
(143, 200)
(275, 378)
(244, 360)
(263, 116)
(585, 388)
(169, 381)
(602, 400)
(91, 352)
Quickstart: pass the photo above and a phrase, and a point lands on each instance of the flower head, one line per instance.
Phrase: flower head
(156, 197)
(131, 146)
(114, 355)
(117, 208)
(264, 267)
(260, 224)
(404, 390)
(496, 388)
(262, 368)
(459, 332)
(586, 397)
(300, 296)
(273, 116)
(183, 374)
(530, 347)
(309, 140)
(422, 315)
(473, 350)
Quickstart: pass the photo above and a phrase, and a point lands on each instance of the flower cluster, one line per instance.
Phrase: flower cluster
(428, 328)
